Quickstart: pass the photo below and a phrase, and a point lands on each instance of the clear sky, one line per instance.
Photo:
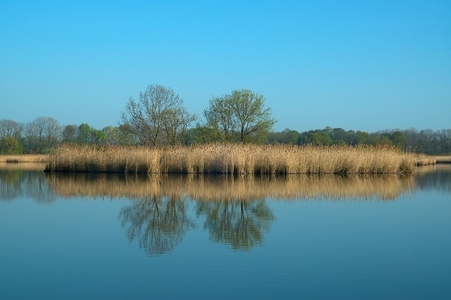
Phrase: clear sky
(361, 65)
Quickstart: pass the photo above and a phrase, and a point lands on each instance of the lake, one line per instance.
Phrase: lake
(87, 236)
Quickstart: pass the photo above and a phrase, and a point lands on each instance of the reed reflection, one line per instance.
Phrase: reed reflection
(241, 188)
(158, 223)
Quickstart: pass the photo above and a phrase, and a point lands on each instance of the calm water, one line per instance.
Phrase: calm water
(87, 236)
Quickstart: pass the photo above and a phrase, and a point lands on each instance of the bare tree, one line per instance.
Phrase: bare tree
(52, 132)
(158, 118)
(444, 136)
(41, 134)
(10, 128)
(31, 138)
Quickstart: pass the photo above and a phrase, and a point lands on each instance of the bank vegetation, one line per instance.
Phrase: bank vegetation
(24, 158)
(235, 159)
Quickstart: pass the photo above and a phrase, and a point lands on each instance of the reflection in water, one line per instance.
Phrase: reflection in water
(10, 184)
(238, 223)
(434, 177)
(15, 183)
(233, 209)
(23, 166)
(159, 223)
(216, 188)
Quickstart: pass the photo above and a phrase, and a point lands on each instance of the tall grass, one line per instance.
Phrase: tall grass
(424, 160)
(233, 159)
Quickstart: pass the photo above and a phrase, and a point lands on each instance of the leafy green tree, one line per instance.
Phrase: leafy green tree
(91, 136)
(315, 137)
(158, 118)
(291, 136)
(111, 135)
(221, 119)
(398, 139)
(240, 116)
(175, 125)
(339, 136)
(286, 136)
(70, 133)
(380, 139)
(200, 135)
(126, 135)
(84, 134)
(10, 145)
(118, 135)
(385, 140)
(253, 119)
(98, 137)
(361, 137)
(322, 138)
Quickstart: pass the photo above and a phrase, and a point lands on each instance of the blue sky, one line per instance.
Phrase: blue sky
(361, 65)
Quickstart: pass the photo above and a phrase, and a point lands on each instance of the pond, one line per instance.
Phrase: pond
(84, 236)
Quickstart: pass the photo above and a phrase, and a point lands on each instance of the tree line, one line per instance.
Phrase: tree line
(421, 141)
(158, 118)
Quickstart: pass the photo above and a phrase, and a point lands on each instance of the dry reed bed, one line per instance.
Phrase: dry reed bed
(231, 188)
(24, 158)
(23, 166)
(443, 159)
(233, 159)
(424, 160)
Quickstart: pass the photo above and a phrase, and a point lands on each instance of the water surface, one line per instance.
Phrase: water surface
(87, 236)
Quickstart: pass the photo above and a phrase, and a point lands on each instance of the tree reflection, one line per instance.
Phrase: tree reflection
(19, 183)
(216, 188)
(10, 184)
(159, 223)
(434, 177)
(238, 223)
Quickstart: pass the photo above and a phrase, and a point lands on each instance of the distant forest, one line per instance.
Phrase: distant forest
(44, 134)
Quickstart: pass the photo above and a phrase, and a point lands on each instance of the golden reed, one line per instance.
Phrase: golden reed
(233, 159)
(24, 158)
(232, 188)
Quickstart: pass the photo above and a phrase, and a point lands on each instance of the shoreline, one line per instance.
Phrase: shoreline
(24, 158)
(45, 158)
(443, 159)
